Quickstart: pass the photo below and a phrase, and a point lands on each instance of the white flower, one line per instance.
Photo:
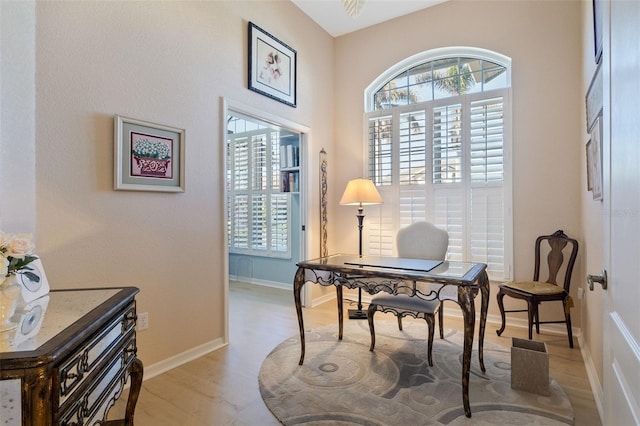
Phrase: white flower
(19, 246)
(4, 267)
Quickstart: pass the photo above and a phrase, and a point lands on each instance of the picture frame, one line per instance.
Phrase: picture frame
(597, 29)
(148, 156)
(594, 161)
(589, 165)
(272, 66)
(594, 98)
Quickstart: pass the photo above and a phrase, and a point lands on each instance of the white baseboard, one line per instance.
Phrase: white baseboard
(265, 283)
(182, 358)
(596, 386)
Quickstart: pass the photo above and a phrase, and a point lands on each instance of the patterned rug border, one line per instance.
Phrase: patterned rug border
(342, 382)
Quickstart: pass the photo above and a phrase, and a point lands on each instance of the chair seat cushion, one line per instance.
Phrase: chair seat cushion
(535, 287)
(402, 301)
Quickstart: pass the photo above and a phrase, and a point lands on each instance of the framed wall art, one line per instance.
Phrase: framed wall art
(597, 29)
(272, 66)
(594, 161)
(594, 99)
(148, 156)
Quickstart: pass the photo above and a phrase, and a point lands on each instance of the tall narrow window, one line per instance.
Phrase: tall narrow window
(437, 151)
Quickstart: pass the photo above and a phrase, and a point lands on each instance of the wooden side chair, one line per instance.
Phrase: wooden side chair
(420, 240)
(560, 248)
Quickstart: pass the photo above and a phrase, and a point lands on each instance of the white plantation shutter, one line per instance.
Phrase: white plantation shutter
(280, 232)
(259, 222)
(258, 212)
(443, 161)
(239, 223)
(380, 150)
(487, 140)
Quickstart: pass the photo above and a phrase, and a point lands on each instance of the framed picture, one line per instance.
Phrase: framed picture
(594, 99)
(148, 156)
(594, 161)
(589, 163)
(272, 66)
(597, 29)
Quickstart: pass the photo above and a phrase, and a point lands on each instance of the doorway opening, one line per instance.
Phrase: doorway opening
(264, 197)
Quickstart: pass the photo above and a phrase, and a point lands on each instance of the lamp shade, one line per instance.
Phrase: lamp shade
(360, 192)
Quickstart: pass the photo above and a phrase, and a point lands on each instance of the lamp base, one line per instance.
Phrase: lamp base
(357, 314)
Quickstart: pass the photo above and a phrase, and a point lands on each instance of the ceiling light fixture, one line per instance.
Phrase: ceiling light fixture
(353, 7)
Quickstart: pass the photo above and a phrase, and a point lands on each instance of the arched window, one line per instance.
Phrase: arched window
(438, 150)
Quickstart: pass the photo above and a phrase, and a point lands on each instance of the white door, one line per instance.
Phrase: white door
(622, 213)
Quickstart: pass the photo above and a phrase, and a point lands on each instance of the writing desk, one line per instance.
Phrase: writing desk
(403, 276)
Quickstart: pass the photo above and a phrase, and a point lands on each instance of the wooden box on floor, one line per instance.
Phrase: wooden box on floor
(530, 366)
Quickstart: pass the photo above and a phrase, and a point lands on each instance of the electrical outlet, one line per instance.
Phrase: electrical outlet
(143, 321)
(580, 293)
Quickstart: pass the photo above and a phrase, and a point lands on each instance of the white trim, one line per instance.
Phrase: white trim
(432, 55)
(182, 358)
(592, 375)
(264, 283)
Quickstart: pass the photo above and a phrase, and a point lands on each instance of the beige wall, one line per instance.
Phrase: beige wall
(544, 41)
(170, 63)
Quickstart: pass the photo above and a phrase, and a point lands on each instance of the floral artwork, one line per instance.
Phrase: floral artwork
(272, 66)
(148, 156)
(275, 68)
(151, 156)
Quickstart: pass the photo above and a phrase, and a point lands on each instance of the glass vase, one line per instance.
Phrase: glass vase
(9, 296)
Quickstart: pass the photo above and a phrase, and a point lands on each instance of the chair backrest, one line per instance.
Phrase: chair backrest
(558, 246)
(422, 240)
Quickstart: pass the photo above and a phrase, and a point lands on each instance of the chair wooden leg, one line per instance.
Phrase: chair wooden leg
(567, 317)
(370, 312)
(399, 322)
(441, 320)
(430, 324)
(531, 311)
(501, 306)
(537, 318)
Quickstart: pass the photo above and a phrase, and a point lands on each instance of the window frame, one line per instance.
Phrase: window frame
(428, 107)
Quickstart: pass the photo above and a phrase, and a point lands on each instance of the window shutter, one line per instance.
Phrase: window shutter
(258, 212)
(380, 150)
(447, 144)
(487, 140)
(239, 237)
(280, 207)
(412, 157)
(258, 222)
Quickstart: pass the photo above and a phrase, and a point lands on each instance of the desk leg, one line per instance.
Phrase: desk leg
(298, 283)
(465, 300)
(484, 307)
(340, 313)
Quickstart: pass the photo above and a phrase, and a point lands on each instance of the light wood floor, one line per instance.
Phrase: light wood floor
(221, 388)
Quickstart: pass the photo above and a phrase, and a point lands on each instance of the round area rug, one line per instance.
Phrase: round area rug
(343, 383)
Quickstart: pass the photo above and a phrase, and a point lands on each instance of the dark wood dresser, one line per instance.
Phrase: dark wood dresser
(69, 357)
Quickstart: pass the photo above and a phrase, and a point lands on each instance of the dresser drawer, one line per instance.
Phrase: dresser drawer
(90, 406)
(82, 363)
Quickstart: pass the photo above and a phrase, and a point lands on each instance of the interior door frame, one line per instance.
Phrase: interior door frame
(305, 136)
